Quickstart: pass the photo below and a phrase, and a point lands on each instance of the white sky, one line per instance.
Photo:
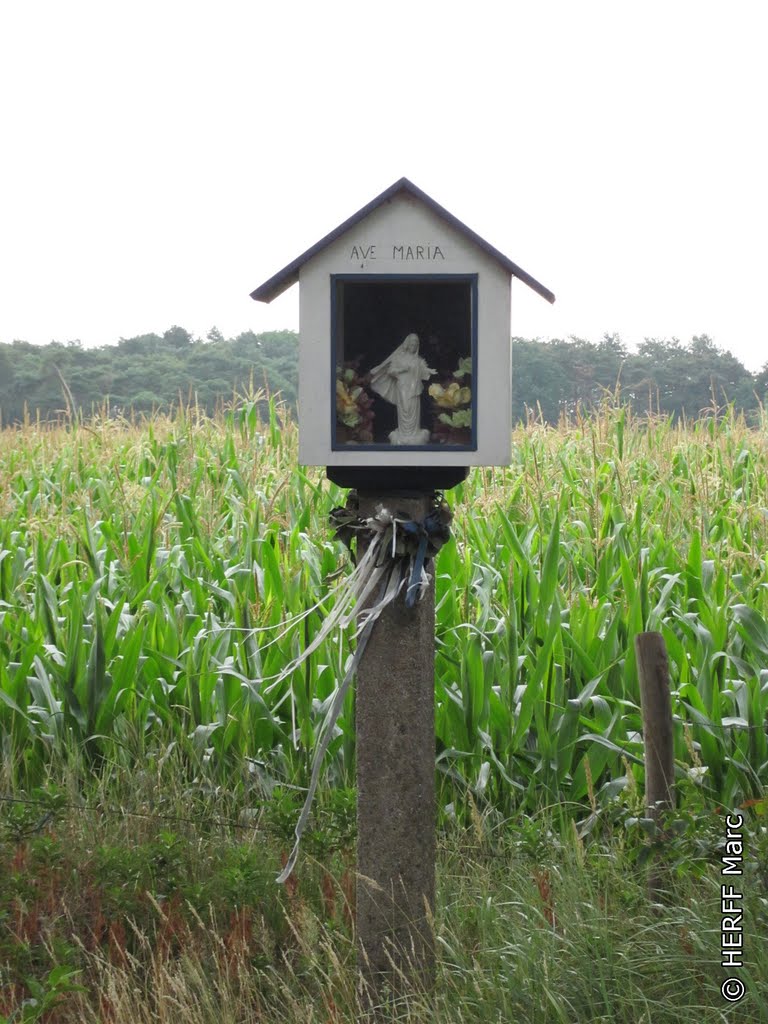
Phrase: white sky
(160, 160)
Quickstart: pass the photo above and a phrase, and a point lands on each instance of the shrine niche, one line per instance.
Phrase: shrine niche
(404, 353)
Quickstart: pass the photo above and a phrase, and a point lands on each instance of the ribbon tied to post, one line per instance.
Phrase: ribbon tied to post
(391, 553)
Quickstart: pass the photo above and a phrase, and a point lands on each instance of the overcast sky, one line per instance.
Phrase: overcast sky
(160, 160)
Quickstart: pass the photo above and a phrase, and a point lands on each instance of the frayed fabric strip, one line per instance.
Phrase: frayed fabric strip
(396, 549)
(389, 592)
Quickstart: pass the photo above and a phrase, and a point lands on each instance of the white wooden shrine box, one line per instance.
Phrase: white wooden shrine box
(403, 266)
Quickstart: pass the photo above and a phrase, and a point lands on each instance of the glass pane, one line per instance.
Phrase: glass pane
(403, 356)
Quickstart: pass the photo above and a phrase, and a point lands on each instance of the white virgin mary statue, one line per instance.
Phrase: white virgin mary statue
(399, 379)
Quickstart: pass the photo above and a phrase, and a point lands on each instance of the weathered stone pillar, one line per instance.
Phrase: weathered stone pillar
(396, 813)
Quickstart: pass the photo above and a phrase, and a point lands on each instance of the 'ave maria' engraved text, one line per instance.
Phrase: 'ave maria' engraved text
(399, 252)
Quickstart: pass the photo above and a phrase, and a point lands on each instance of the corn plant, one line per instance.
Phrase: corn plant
(156, 576)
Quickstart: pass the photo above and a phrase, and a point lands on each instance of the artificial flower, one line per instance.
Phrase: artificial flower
(347, 409)
(464, 367)
(451, 397)
(461, 418)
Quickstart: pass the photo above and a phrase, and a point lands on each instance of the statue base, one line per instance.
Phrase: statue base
(399, 437)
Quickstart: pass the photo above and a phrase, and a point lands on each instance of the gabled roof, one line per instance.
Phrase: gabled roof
(277, 284)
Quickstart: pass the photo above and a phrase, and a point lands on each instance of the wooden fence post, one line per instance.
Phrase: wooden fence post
(658, 739)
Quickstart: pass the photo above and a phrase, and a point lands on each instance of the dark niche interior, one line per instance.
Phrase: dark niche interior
(373, 318)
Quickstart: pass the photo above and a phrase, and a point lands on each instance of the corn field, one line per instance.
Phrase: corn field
(155, 579)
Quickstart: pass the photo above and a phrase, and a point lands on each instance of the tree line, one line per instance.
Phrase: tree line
(155, 372)
(664, 376)
(144, 374)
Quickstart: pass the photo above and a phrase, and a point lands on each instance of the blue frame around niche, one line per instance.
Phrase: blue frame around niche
(472, 281)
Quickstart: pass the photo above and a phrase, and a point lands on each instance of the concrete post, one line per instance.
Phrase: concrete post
(395, 742)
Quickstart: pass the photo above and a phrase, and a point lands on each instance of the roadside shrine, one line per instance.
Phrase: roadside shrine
(404, 384)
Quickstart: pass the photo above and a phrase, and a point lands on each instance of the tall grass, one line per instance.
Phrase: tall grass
(145, 570)
(153, 925)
